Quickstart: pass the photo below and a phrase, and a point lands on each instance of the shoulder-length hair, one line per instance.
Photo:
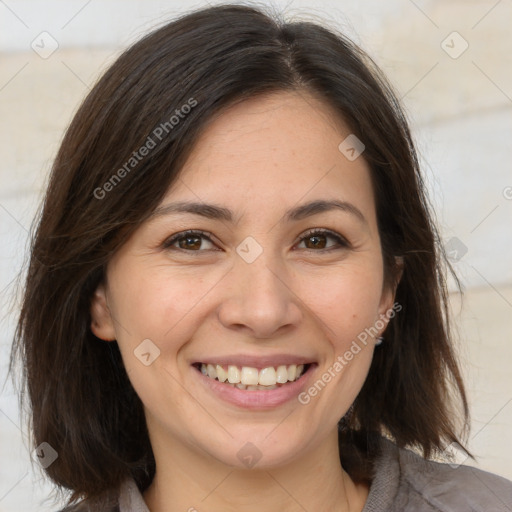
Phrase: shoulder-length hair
(81, 400)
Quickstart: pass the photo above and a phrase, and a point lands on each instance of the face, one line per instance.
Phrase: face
(270, 282)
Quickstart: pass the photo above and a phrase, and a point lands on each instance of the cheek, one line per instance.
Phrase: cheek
(156, 304)
(346, 301)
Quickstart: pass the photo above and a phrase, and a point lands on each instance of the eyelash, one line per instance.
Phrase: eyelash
(168, 243)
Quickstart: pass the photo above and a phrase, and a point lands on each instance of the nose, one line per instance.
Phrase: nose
(259, 299)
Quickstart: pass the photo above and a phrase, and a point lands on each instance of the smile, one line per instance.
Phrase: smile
(254, 396)
(250, 378)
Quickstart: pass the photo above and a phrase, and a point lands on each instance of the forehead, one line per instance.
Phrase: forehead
(272, 152)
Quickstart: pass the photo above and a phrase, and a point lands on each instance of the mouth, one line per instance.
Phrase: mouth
(249, 378)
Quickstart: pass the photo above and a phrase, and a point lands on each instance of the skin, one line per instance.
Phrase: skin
(259, 159)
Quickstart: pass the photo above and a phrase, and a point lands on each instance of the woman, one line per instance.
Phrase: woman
(236, 295)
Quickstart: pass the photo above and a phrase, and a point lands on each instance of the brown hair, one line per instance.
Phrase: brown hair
(81, 400)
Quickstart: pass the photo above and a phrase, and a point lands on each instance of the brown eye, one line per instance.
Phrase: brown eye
(191, 241)
(318, 239)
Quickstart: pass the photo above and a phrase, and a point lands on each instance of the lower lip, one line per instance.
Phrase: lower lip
(257, 399)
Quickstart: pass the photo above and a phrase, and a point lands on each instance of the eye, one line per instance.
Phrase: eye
(190, 241)
(317, 239)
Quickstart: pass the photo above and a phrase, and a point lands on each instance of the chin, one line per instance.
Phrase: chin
(254, 448)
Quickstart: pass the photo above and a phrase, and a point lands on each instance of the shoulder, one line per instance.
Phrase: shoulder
(127, 498)
(84, 507)
(444, 487)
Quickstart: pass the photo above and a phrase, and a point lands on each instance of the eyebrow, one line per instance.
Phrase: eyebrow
(216, 212)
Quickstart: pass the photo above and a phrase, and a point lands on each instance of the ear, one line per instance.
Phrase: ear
(102, 324)
(388, 294)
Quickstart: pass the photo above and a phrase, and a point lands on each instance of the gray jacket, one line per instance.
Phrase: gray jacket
(402, 482)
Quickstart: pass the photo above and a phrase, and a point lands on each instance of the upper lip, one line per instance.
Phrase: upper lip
(256, 361)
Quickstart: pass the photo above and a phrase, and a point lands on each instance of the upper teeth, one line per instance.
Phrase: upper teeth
(251, 376)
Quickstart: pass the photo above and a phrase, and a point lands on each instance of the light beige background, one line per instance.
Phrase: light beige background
(460, 110)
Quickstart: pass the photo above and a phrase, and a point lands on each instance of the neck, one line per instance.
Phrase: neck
(315, 480)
